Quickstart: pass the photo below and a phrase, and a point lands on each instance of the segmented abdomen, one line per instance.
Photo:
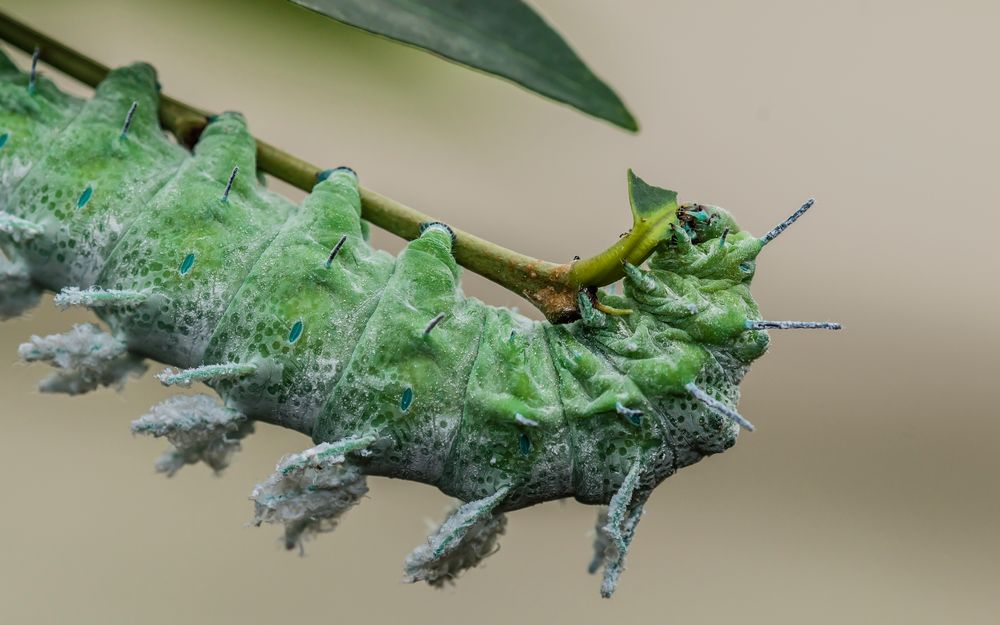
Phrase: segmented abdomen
(294, 319)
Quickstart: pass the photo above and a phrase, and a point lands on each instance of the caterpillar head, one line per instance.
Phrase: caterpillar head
(697, 296)
(686, 328)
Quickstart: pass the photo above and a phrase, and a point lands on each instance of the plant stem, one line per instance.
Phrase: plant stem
(551, 287)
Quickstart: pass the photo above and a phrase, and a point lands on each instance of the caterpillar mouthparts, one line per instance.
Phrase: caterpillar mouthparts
(291, 316)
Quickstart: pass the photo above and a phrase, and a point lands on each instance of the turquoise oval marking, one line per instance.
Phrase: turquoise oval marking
(186, 264)
(295, 332)
(3, 139)
(406, 399)
(85, 196)
(634, 418)
(524, 444)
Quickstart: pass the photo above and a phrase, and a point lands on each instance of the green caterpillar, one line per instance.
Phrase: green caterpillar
(291, 316)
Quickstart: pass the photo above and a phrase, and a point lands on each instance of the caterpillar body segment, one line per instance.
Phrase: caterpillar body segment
(399, 381)
(28, 122)
(493, 447)
(88, 186)
(298, 319)
(291, 316)
(191, 250)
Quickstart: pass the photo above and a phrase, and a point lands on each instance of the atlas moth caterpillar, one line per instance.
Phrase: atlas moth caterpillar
(293, 319)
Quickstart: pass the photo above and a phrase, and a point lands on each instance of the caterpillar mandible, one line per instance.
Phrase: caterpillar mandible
(293, 319)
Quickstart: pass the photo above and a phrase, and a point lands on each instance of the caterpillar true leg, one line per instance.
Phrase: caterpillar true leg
(466, 538)
(401, 382)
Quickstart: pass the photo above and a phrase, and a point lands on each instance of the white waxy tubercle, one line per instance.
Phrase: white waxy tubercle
(204, 373)
(467, 537)
(97, 297)
(18, 229)
(792, 325)
(198, 427)
(310, 491)
(86, 358)
(718, 407)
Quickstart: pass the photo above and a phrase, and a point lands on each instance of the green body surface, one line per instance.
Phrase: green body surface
(486, 398)
(481, 402)
(29, 120)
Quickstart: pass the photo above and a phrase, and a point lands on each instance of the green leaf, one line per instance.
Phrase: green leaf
(502, 37)
(647, 200)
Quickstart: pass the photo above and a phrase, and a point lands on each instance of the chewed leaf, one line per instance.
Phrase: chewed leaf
(647, 200)
(654, 211)
(506, 38)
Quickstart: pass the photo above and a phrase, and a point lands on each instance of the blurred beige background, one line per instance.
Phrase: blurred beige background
(868, 494)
